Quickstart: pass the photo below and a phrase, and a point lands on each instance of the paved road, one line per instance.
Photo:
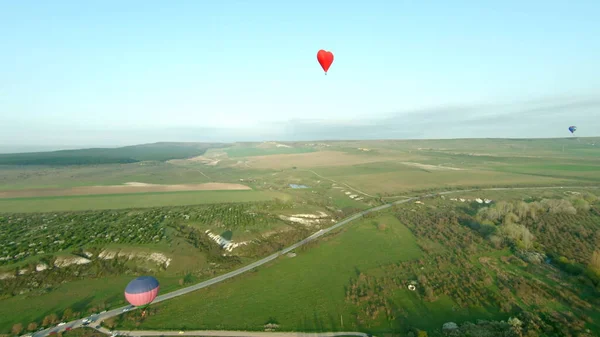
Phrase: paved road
(221, 333)
(115, 312)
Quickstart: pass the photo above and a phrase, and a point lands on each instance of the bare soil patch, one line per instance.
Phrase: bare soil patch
(210, 161)
(312, 159)
(131, 187)
(431, 167)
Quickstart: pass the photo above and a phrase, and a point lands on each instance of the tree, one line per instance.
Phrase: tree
(53, 318)
(595, 261)
(67, 314)
(47, 321)
(515, 324)
(32, 326)
(422, 333)
(17, 328)
(527, 238)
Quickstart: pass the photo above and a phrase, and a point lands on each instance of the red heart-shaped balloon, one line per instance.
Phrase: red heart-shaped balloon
(325, 59)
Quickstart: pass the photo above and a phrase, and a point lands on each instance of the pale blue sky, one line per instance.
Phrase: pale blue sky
(89, 72)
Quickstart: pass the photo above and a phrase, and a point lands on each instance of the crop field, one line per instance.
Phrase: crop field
(251, 151)
(414, 179)
(121, 201)
(30, 177)
(311, 160)
(128, 188)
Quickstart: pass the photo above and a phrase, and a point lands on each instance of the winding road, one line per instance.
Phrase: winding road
(97, 318)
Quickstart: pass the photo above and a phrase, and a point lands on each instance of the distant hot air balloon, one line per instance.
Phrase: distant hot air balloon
(325, 59)
(141, 291)
(572, 128)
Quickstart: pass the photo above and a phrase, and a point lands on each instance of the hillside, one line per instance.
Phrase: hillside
(121, 155)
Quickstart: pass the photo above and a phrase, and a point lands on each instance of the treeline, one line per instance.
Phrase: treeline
(523, 324)
(567, 230)
(121, 155)
(451, 268)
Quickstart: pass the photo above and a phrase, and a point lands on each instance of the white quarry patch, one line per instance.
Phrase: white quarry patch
(228, 245)
(158, 258)
(5, 276)
(41, 267)
(65, 261)
(305, 219)
(478, 200)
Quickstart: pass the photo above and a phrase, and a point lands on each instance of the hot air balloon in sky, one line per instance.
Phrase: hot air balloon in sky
(325, 59)
(141, 291)
(572, 128)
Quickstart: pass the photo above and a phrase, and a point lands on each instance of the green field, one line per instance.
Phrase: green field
(136, 200)
(303, 293)
(78, 295)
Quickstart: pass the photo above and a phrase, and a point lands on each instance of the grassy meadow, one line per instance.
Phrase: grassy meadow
(77, 295)
(302, 293)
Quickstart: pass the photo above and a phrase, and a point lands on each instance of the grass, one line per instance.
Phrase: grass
(302, 293)
(139, 200)
(76, 295)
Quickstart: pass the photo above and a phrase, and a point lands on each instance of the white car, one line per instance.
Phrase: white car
(61, 323)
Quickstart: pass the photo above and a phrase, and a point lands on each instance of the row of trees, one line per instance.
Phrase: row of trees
(25, 235)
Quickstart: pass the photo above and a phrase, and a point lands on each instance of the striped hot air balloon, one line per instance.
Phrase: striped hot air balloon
(141, 291)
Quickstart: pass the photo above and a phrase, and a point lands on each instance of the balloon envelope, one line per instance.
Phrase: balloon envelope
(142, 290)
(572, 128)
(325, 59)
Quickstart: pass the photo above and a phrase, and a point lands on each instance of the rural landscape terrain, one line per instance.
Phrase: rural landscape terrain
(486, 237)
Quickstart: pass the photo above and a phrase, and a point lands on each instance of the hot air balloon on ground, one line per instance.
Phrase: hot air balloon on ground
(325, 59)
(572, 128)
(141, 291)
